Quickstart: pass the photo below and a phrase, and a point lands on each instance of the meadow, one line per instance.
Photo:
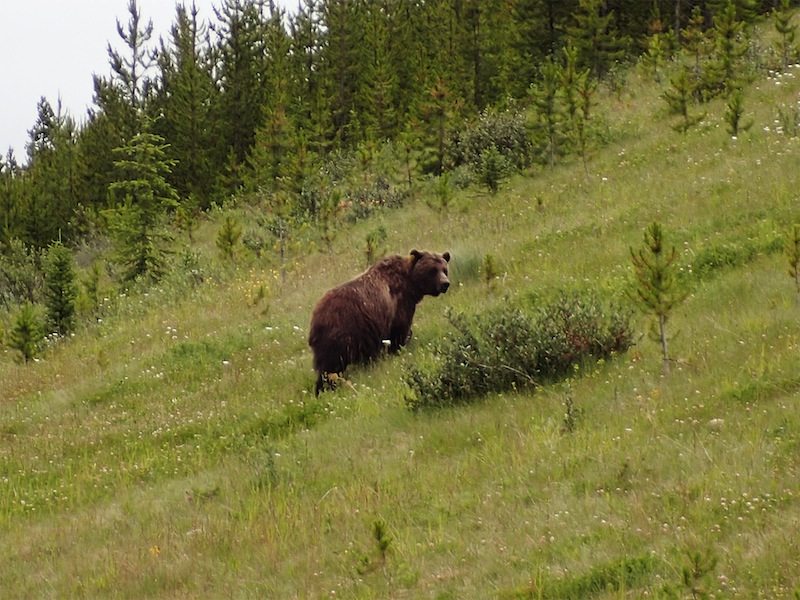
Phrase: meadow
(175, 449)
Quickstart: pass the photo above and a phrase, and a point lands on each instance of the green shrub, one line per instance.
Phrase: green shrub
(625, 574)
(508, 348)
(363, 201)
(711, 259)
(504, 131)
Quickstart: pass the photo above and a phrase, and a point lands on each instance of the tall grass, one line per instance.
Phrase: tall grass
(174, 449)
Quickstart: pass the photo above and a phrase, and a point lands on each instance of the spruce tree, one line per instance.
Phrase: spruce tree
(60, 289)
(141, 196)
(657, 291)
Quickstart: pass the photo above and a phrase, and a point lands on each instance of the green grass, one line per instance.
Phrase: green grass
(176, 450)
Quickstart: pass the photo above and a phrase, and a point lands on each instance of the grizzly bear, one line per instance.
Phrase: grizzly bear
(354, 321)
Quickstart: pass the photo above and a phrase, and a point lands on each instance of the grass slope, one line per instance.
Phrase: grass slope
(175, 450)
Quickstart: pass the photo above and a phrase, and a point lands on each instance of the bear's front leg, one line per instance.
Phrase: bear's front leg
(398, 339)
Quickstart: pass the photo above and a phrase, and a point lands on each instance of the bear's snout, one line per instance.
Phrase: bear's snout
(444, 286)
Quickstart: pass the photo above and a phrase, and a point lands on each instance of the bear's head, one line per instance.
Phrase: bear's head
(429, 272)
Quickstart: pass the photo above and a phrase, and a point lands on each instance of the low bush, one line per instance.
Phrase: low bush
(509, 348)
(503, 131)
(716, 258)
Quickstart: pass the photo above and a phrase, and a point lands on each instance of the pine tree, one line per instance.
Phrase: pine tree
(744, 11)
(185, 92)
(655, 56)
(577, 91)
(131, 71)
(311, 101)
(111, 123)
(345, 64)
(793, 255)
(787, 32)
(657, 291)
(540, 25)
(11, 202)
(492, 169)
(91, 288)
(593, 34)
(375, 97)
(60, 289)
(275, 145)
(241, 63)
(549, 113)
(437, 113)
(228, 237)
(141, 196)
(52, 190)
(26, 335)
(680, 97)
(374, 248)
(734, 110)
(20, 274)
(272, 154)
(730, 45)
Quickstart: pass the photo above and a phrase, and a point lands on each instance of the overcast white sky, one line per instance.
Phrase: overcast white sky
(51, 48)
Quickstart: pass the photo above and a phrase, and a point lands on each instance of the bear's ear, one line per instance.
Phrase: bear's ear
(446, 256)
(416, 254)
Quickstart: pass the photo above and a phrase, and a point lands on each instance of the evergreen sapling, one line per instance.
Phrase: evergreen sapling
(228, 237)
(787, 33)
(793, 254)
(27, 334)
(656, 291)
(734, 110)
(60, 289)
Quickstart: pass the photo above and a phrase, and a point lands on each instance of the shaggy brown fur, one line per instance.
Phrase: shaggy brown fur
(352, 322)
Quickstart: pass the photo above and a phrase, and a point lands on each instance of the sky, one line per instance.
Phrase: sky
(52, 48)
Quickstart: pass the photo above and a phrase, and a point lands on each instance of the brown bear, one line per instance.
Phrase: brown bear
(354, 321)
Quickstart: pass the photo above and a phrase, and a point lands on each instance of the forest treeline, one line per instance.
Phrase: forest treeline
(255, 101)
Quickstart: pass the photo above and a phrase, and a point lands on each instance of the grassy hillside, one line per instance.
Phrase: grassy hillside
(175, 450)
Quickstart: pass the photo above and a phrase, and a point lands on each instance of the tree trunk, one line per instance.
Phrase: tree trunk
(662, 330)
